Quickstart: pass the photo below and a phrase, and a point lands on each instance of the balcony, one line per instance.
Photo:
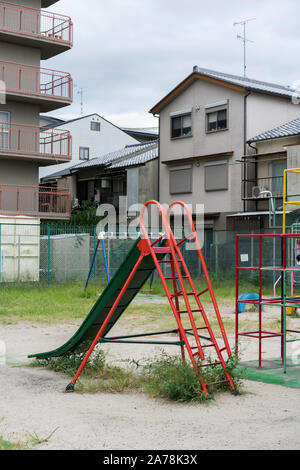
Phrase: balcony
(49, 89)
(34, 201)
(273, 184)
(47, 146)
(52, 33)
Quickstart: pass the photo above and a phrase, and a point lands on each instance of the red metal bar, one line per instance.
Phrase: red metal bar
(111, 312)
(61, 26)
(205, 271)
(22, 139)
(23, 200)
(47, 83)
(261, 334)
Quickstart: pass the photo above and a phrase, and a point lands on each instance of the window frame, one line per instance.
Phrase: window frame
(217, 108)
(212, 164)
(181, 116)
(179, 168)
(95, 122)
(7, 132)
(84, 149)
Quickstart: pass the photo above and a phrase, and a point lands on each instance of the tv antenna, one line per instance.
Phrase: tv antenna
(80, 92)
(244, 39)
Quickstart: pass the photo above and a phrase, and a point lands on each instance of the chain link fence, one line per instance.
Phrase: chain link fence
(49, 253)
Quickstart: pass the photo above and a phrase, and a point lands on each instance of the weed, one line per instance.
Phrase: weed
(35, 440)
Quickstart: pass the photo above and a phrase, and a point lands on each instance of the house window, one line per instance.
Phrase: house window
(181, 178)
(95, 126)
(217, 116)
(216, 121)
(181, 126)
(216, 176)
(4, 129)
(84, 153)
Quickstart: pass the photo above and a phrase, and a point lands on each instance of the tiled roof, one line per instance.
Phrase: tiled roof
(131, 155)
(119, 155)
(140, 159)
(285, 130)
(249, 83)
(245, 83)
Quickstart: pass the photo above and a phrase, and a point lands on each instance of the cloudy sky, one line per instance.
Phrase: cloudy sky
(128, 54)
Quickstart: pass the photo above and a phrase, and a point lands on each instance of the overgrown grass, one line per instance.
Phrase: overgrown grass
(70, 303)
(165, 376)
(33, 441)
(46, 304)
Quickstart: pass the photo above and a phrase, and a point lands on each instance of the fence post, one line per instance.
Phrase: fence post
(95, 243)
(1, 258)
(49, 254)
(217, 253)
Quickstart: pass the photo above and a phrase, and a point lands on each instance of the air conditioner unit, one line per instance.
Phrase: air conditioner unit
(258, 190)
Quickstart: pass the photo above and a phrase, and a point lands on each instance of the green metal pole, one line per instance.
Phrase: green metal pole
(49, 253)
(95, 243)
(1, 267)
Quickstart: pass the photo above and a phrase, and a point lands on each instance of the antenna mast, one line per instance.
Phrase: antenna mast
(244, 38)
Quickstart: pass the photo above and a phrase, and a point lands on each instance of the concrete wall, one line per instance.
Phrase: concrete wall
(109, 139)
(267, 112)
(20, 172)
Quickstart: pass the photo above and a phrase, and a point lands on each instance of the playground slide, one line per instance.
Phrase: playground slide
(92, 324)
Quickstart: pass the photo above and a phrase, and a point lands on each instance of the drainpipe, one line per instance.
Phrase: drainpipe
(245, 142)
(158, 170)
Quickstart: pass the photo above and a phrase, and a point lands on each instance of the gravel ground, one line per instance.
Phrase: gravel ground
(267, 417)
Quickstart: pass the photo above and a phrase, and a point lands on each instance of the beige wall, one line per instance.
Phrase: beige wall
(267, 112)
(202, 144)
(18, 172)
(22, 113)
(148, 181)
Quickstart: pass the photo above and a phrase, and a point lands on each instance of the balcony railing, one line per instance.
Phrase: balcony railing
(34, 201)
(36, 81)
(36, 23)
(35, 142)
(273, 184)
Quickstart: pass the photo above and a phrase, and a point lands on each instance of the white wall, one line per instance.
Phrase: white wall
(267, 112)
(109, 139)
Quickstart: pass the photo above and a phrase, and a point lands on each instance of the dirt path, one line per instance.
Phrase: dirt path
(267, 417)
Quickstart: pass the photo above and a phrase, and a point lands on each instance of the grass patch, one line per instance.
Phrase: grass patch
(166, 376)
(7, 445)
(44, 304)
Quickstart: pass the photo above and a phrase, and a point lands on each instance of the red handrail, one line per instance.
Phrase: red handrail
(34, 201)
(37, 23)
(205, 271)
(34, 141)
(36, 81)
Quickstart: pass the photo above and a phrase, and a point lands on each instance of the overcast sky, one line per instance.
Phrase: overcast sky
(128, 54)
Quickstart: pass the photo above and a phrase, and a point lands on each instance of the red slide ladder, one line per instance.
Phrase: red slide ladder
(192, 339)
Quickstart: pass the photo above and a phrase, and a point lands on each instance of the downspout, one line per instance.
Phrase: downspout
(158, 170)
(245, 144)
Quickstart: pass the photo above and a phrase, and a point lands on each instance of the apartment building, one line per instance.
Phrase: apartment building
(29, 34)
(205, 123)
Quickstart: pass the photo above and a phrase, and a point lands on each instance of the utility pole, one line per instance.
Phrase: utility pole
(244, 39)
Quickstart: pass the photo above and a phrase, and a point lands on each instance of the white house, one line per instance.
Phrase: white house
(92, 136)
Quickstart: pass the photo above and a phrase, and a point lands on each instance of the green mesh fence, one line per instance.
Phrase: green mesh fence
(50, 253)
